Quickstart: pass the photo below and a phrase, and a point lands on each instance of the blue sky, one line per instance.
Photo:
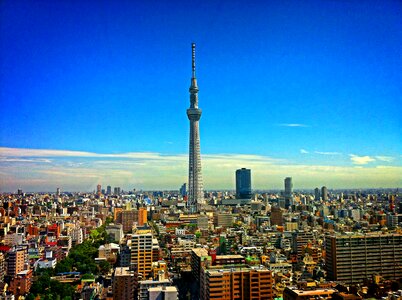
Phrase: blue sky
(308, 89)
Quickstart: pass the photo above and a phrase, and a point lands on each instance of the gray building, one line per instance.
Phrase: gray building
(317, 194)
(288, 187)
(324, 193)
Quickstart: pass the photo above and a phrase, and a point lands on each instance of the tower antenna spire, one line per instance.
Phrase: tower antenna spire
(193, 58)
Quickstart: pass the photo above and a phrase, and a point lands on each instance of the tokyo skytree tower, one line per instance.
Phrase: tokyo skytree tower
(195, 186)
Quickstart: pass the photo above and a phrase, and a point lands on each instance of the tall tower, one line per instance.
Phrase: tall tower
(195, 186)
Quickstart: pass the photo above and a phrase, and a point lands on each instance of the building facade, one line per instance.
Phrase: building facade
(353, 258)
(144, 251)
(236, 283)
(124, 282)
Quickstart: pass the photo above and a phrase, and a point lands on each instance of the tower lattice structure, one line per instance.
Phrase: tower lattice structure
(195, 184)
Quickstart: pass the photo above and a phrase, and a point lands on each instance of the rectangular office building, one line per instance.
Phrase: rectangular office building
(355, 257)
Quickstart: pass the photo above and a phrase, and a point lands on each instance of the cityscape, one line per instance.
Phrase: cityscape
(266, 190)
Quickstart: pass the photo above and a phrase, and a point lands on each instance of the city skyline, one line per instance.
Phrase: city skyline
(309, 91)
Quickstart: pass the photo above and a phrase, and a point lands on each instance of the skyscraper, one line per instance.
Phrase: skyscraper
(288, 192)
(324, 193)
(195, 186)
(317, 194)
(288, 187)
(243, 183)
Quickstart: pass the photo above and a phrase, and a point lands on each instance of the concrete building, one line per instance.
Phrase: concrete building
(124, 282)
(202, 222)
(300, 239)
(2, 267)
(236, 283)
(146, 285)
(21, 283)
(317, 194)
(17, 261)
(163, 293)
(199, 260)
(115, 231)
(223, 220)
(243, 183)
(276, 216)
(144, 251)
(302, 294)
(142, 216)
(355, 257)
(324, 193)
(109, 190)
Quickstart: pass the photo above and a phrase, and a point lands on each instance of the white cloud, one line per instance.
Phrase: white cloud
(293, 125)
(327, 153)
(361, 160)
(302, 151)
(157, 171)
(24, 160)
(385, 158)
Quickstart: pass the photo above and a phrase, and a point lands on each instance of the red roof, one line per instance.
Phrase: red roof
(4, 248)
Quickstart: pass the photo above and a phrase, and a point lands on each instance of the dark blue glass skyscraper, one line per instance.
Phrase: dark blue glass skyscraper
(243, 183)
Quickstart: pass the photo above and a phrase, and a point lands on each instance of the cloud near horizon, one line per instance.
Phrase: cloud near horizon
(364, 160)
(44, 170)
(293, 125)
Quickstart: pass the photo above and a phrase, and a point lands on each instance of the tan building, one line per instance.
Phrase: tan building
(142, 216)
(276, 216)
(21, 283)
(199, 260)
(353, 258)
(17, 261)
(236, 283)
(123, 284)
(300, 294)
(2, 267)
(127, 218)
(144, 251)
(223, 220)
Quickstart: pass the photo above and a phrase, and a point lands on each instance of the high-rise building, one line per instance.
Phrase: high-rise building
(108, 190)
(99, 189)
(300, 239)
(2, 266)
(195, 185)
(288, 187)
(58, 192)
(236, 283)
(317, 194)
(17, 261)
(288, 194)
(243, 183)
(123, 283)
(127, 218)
(324, 193)
(142, 216)
(354, 258)
(276, 216)
(183, 190)
(144, 251)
